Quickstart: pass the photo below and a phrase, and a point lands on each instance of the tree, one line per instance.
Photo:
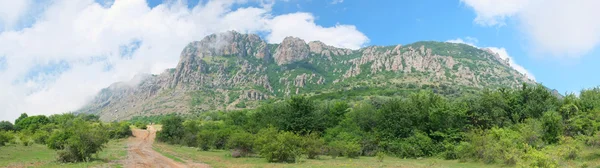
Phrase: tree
(32, 123)
(241, 143)
(299, 116)
(278, 146)
(172, 129)
(6, 126)
(21, 117)
(553, 126)
(78, 140)
(5, 137)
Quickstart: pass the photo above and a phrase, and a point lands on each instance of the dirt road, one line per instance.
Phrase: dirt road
(141, 155)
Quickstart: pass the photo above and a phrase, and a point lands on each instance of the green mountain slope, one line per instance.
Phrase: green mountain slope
(232, 70)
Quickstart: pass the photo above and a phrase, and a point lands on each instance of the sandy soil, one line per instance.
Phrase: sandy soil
(141, 155)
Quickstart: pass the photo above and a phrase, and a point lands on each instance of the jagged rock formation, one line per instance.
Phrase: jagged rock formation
(224, 70)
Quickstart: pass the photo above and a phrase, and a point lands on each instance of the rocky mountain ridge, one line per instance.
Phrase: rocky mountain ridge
(231, 70)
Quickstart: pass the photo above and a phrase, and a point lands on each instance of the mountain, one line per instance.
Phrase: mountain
(231, 70)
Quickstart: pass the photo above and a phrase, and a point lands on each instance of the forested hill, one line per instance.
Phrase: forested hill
(235, 71)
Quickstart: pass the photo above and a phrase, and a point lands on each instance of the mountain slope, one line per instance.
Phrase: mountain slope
(232, 70)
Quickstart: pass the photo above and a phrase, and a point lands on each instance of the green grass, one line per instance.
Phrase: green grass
(223, 159)
(40, 156)
(168, 155)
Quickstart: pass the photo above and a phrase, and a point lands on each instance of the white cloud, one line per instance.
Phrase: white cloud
(504, 55)
(89, 36)
(558, 27)
(500, 51)
(337, 2)
(11, 11)
(302, 25)
(468, 41)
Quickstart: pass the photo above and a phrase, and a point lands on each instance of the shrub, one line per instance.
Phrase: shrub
(313, 145)
(78, 140)
(278, 146)
(553, 127)
(536, 158)
(418, 145)
(31, 123)
(241, 143)
(343, 148)
(24, 139)
(380, 156)
(6, 137)
(569, 148)
(141, 125)
(172, 130)
(41, 137)
(492, 146)
(119, 130)
(206, 140)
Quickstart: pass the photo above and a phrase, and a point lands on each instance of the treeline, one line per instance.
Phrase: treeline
(527, 126)
(75, 137)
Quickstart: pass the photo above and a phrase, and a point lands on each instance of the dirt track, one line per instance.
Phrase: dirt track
(141, 155)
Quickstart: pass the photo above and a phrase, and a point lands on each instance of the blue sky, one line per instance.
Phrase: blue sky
(55, 55)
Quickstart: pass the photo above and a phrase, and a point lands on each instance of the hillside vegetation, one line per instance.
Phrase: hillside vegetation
(525, 127)
(61, 138)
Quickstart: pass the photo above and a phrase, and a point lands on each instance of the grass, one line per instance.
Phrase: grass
(37, 155)
(223, 159)
(168, 155)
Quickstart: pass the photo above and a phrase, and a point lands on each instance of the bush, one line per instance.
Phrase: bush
(343, 148)
(553, 127)
(31, 123)
(418, 145)
(380, 156)
(141, 125)
(24, 139)
(206, 140)
(241, 143)
(41, 137)
(6, 137)
(278, 146)
(78, 140)
(536, 158)
(492, 146)
(313, 145)
(119, 130)
(172, 130)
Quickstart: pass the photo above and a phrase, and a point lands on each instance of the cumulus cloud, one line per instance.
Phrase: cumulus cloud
(558, 27)
(302, 25)
(500, 51)
(77, 47)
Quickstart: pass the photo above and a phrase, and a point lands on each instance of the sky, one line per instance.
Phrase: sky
(55, 55)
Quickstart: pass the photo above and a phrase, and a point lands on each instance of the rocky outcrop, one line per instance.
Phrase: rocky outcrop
(290, 50)
(321, 48)
(222, 70)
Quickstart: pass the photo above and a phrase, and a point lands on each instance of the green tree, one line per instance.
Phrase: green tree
(172, 130)
(32, 123)
(241, 142)
(21, 117)
(553, 126)
(6, 126)
(78, 140)
(278, 146)
(299, 116)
